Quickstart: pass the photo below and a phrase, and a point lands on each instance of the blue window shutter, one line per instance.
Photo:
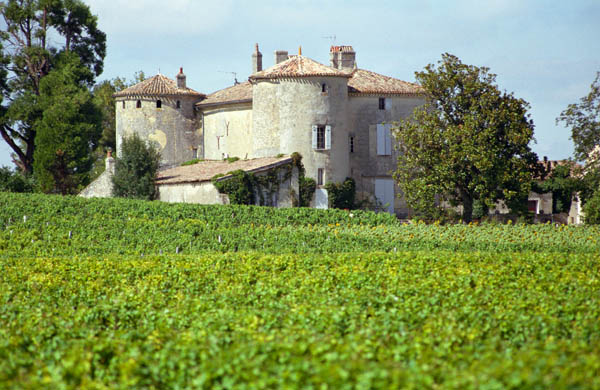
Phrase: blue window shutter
(380, 140)
(314, 136)
(327, 137)
(388, 139)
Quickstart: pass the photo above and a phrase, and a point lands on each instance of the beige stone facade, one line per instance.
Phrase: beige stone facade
(336, 116)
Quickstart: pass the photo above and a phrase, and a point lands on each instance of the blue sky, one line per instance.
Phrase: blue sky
(546, 52)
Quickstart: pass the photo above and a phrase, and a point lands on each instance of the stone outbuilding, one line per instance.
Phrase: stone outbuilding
(193, 183)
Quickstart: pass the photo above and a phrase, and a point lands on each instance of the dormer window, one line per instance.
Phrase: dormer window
(159, 104)
(138, 104)
(178, 104)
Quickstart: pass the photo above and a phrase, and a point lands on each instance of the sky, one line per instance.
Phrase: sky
(546, 52)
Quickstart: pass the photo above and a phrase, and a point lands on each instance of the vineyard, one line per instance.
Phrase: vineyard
(115, 294)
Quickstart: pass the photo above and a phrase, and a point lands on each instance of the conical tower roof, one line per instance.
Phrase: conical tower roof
(158, 85)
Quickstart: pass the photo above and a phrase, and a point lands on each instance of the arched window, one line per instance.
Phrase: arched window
(158, 103)
(178, 104)
(138, 104)
(123, 104)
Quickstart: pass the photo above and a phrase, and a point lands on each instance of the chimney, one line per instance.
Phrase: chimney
(342, 57)
(256, 60)
(110, 162)
(280, 56)
(181, 79)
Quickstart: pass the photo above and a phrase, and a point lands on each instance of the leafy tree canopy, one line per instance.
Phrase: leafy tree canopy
(36, 35)
(563, 183)
(584, 120)
(136, 169)
(469, 141)
(68, 130)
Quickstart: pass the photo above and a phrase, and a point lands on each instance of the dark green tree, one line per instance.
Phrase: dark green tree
(68, 130)
(563, 183)
(36, 34)
(584, 120)
(469, 141)
(135, 169)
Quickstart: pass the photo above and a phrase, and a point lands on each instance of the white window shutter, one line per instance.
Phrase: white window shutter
(380, 140)
(327, 137)
(314, 136)
(388, 103)
(388, 139)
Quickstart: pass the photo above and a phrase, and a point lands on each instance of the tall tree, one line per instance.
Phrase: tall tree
(584, 120)
(468, 142)
(31, 57)
(68, 130)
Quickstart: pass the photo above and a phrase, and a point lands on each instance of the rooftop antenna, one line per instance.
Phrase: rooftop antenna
(332, 38)
(235, 80)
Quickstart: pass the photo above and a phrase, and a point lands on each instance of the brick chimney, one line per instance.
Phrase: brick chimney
(181, 79)
(256, 60)
(280, 56)
(342, 57)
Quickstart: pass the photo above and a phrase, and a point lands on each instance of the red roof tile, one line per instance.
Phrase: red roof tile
(158, 85)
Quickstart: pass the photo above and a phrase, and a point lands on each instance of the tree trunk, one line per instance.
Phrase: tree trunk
(467, 201)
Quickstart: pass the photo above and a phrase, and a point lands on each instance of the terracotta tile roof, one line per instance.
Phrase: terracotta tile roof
(158, 85)
(205, 170)
(367, 82)
(298, 66)
(239, 93)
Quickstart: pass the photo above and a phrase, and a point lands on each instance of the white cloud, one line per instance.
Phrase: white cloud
(139, 17)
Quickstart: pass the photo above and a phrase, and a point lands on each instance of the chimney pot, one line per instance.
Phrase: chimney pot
(181, 79)
(256, 60)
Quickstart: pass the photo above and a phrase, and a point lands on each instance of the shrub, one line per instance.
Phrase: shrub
(13, 181)
(136, 169)
(342, 195)
(591, 210)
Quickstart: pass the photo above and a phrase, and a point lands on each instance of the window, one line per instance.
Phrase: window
(178, 104)
(384, 193)
(351, 144)
(138, 104)
(324, 88)
(385, 103)
(321, 137)
(384, 140)
(320, 176)
(123, 104)
(532, 206)
(194, 152)
(158, 103)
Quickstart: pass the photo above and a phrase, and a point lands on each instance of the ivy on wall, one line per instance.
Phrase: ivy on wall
(248, 188)
(342, 195)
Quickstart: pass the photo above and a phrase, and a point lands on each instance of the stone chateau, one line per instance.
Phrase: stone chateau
(336, 116)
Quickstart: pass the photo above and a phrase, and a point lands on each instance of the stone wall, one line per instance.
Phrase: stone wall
(365, 164)
(173, 130)
(285, 111)
(227, 131)
(203, 193)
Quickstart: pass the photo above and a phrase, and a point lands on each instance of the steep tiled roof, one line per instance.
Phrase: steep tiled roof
(205, 170)
(367, 82)
(239, 93)
(298, 66)
(158, 85)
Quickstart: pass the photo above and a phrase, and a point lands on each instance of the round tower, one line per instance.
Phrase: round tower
(300, 105)
(161, 111)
